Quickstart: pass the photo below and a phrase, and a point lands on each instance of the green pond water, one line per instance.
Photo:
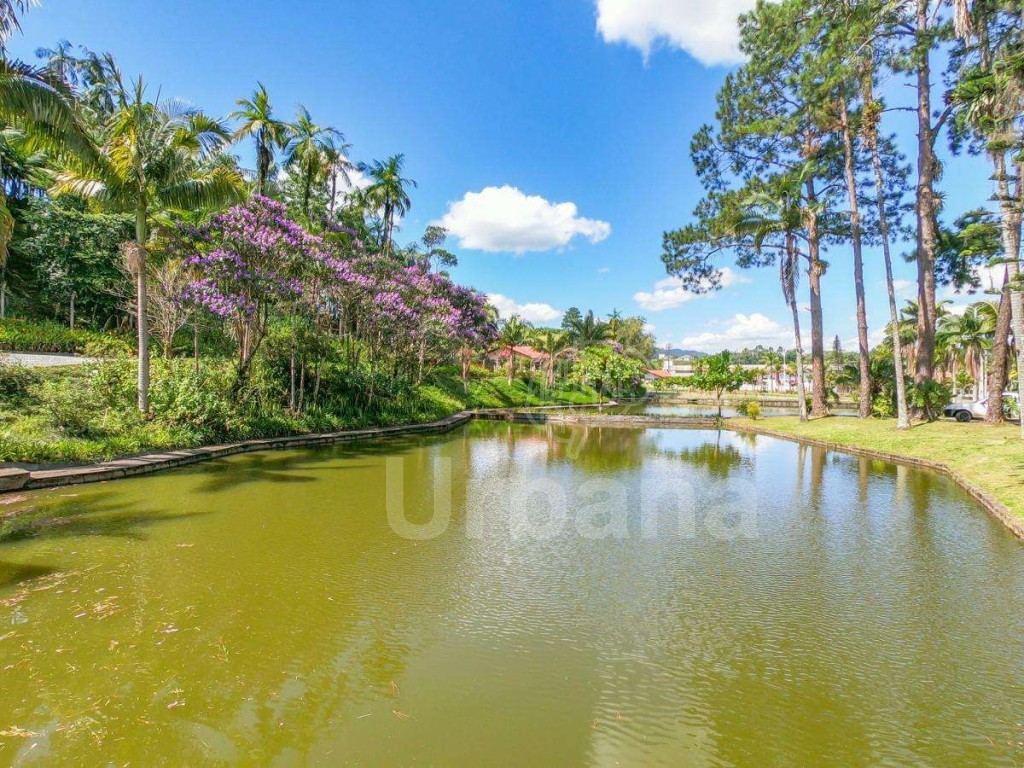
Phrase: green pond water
(516, 595)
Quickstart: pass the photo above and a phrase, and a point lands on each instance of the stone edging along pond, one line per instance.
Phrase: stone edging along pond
(15, 479)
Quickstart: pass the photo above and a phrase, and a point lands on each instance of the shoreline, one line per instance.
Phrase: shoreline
(989, 502)
(14, 479)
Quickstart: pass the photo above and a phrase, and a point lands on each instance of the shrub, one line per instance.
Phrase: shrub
(47, 337)
(108, 346)
(751, 409)
(882, 406)
(16, 381)
(74, 410)
(929, 397)
(200, 402)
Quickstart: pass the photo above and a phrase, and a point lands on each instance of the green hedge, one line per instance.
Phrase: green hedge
(18, 335)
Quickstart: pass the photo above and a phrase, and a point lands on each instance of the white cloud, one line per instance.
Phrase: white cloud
(903, 287)
(706, 29)
(670, 293)
(603, 270)
(503, 219)
(990, 281)
(992, 278)
(739, 332)
(533, 313)
(352, 180)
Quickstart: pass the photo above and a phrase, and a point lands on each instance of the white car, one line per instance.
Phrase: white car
(968, 411)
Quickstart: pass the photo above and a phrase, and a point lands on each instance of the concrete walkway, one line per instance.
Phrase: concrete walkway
(43, 360)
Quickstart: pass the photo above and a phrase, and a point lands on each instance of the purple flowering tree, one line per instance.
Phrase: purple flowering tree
(250, 259)
(343, 305)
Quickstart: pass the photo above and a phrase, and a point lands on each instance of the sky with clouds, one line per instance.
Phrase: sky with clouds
(550, 137)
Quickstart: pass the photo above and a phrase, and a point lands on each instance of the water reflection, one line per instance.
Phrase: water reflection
(233, 616)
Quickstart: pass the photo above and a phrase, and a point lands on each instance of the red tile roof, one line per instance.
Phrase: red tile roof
(658, 374)
(523, 351)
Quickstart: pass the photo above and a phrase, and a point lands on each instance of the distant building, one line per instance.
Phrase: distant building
(677, 366)
(652, 375)
(526, 355)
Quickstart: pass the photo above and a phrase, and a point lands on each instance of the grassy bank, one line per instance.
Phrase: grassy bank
(702, 397)
(992, 458)
(87, 413)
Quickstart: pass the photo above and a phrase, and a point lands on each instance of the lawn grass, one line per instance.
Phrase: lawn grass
(990, 457)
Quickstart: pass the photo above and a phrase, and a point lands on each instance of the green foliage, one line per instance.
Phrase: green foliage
(73, 410)
(18, 335)
(750, 408)
(16, 383)
(608, 371)
(718, 374)
(62, 251)
(882, 406)
(929, 398)
(88, 412)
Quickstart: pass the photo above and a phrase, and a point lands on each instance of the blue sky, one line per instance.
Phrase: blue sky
(558, 129)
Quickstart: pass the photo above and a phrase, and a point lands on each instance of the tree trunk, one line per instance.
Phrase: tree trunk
(863, 346)
(142, 319)
(998, 370)
(1011, 230)
(195, 345)
(389, 216)
(789, 288)
(902, 410)
(291, 367)
(819, 404)
(71, 312)
(262, 163)
(927, 223)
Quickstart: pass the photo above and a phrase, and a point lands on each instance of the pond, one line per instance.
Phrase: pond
(516, 595)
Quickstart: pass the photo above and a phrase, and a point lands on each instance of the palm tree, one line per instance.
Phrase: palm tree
(101, 88)
(389, 192)
(587, 330)
(60, 62)
(777, 213)
(258, 121)
(154, 158)
(513, 333)
(554, 344)
(966, 338)
(772, 362)
(304, 152)
(10, 10)
(336, 163)
(37, 103)
(614, 322)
